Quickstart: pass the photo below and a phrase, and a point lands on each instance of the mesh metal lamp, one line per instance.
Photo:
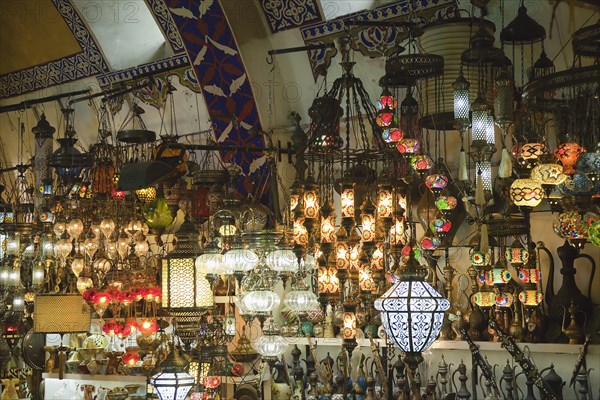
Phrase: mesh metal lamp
(172, 382)
(412, 313)
(186, 293)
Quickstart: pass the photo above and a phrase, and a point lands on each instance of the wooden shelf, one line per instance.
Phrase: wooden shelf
(98, 378)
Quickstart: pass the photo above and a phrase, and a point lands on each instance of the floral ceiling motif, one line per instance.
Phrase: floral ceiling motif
(289, 14)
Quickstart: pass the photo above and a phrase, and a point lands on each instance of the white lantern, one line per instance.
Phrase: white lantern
(210, 263)
(301, 300)
(239, 260)
(412, 311)
(260, 301)
(172, 382)
(271, 344)
(282, 260)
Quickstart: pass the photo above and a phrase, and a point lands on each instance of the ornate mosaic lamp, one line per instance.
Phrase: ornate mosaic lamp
(412, 313)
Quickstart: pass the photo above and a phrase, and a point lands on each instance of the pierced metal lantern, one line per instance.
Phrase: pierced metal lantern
(172, 382)
(412, 311)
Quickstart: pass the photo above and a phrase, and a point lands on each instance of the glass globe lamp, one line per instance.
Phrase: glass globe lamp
(239, 260)
(526, 193)
(107, 227)
(408, 146)
(74, 228)
(300, 301)
(282, 260)
(568, 153)
(594, 233)
(210, 263)
(549, 175)
(260, 301)
(271, 344)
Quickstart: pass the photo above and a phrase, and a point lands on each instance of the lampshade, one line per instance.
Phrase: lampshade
(210, 263)
(436, 182)
(517, 256)
(526, 193)
(408, 146)
(239, 260)
(328, 227)
(282, 260)
(385, 201)
(530, 275)
(184, 286)
(568, 153)
(421, 163)
(311, 199)
(347, 200)
(271, 343)
(461, 100)
(349, 321)
(172, 382)
(301, 301)
(479, 118)
(368, 220)
(548, 174)
(530, 298)
(260, 301)
(594, 233)
(574, 225)
(300, 233)
(75, 227)
(327, 282)
(484, 298)
(412, 311)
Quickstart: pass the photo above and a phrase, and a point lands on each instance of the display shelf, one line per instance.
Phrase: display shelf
(557, 348)
(225, 299)
(331, 341)
(98, 378)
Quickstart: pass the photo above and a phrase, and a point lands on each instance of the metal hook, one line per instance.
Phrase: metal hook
(270, 59)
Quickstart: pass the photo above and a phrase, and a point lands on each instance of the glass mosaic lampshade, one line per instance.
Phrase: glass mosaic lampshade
(568, 153)
(526, 193)
(548, 174)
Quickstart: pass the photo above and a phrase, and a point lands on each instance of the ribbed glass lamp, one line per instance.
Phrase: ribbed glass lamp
(271, 344)
(300, 299)
(239, 260)
(282, 260)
